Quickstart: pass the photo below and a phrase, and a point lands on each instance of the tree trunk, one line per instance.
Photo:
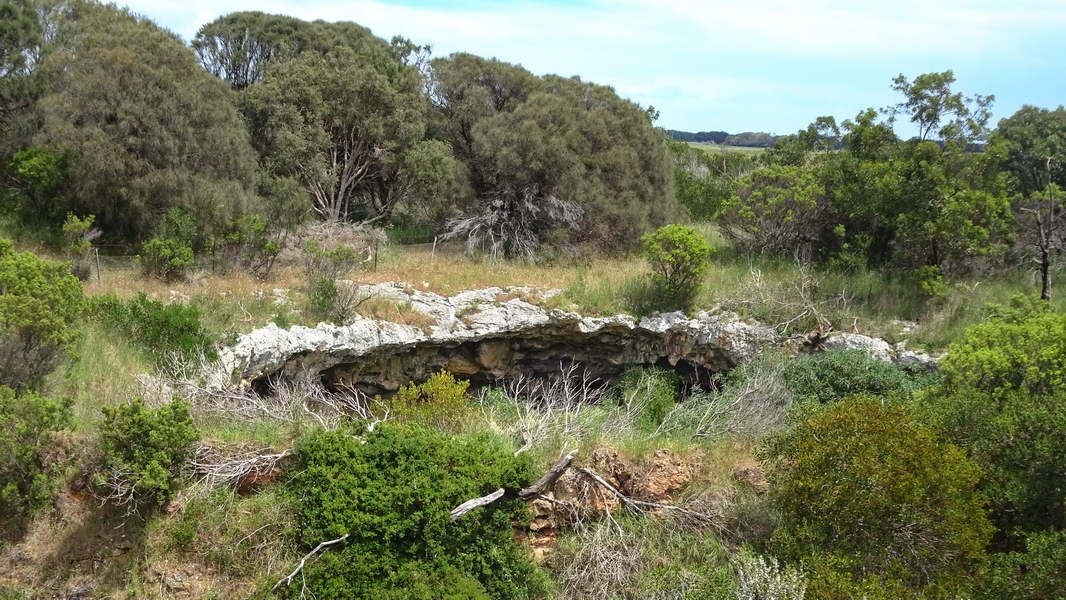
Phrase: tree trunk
(1045, 275)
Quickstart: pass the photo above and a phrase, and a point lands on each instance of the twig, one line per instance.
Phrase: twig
(287, 580)
(637, 504)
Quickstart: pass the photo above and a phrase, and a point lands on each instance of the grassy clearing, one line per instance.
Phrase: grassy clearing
(719, 148)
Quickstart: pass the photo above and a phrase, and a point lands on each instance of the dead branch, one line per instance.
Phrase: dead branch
(214, 469)
(287, 580)
(635, 504)
(548, 479)
(471, 504)
(528, 493)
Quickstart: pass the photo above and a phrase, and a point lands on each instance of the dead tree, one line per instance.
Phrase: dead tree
(1045, 222)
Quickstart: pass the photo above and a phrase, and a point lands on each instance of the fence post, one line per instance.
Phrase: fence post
(96, 251)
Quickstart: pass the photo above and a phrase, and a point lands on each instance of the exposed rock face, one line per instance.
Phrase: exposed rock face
(479, 337)
(492, 333)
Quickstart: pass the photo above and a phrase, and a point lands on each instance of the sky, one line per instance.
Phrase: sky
(733, 65)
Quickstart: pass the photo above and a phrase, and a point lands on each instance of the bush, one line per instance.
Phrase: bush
(1037, 573)
(79, 235)
(165, 258)
(863, 487)
(249, 244)
(1003, 399)
(324, 268)
(392, 493)
(440, 402)
(678, 258)
(27, 425)
(835, 374)
(167, 331)
(650, 394)
(40, 302)
(143, 451)
(760, 578)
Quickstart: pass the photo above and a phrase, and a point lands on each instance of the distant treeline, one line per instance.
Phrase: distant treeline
(754, 139)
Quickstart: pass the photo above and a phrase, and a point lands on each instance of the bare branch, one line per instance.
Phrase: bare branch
(287, 580)
(470, 505)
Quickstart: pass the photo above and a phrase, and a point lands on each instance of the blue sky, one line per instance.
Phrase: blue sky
(737, 65)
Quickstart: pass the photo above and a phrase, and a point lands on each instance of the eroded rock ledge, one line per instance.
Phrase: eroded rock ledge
(496, 333)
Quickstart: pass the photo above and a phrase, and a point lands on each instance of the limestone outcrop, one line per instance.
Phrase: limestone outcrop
(496, 333)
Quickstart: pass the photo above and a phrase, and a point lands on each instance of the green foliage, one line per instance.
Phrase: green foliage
(38, 174)
(936, 109)
(249, 244)
(1003, 399)
(551, 161)
(864, 488)
(166, 331)
(40, 303)
(165, 258)
(678, 258)
(323, 269)
(835, 374)
(440, 402)
(652, 391)
(1037, 573)
(142, 127)
(392, 493)
(1023, 143)
(28, 423)
(144, 450)
(777, 209)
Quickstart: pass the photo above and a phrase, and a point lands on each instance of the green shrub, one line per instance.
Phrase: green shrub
(79, 234)
(165, 330)
(323, 269)
(27, 425)
(863, 487)
(165, 258)
(40, 302)
(1036, 574)
(248, 244)
(678, 258)
(143, 451)
(441, 402)
(392, 493)
(649, 393)
(835, 374)
(1003, 399)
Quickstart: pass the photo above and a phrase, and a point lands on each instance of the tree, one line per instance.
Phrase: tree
(1031, 146)
(776, 209)
(142, 127)
(40, 303)
(571, 163)
(936, 109)
(863, 487)
(338, 122)
(20, 33)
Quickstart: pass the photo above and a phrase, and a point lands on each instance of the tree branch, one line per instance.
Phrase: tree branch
(287, 580)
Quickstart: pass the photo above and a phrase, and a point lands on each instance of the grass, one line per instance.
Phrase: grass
(720, 148)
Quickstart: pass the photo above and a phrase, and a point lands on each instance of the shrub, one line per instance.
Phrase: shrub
(1003, 399)
(324, 268)
(27, 425)
(835, 374)
(79, 235)
(678, 258)
(165, 330)
(1035, 574)
(143, 451)
(40, 302)
(865, 488)
(248, 244)
(165, 258)
(392, 493)
(760, 578)
(440, 402)
(649, 394)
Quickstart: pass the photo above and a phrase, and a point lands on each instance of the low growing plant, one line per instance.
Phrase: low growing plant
(143, 450)
(167, 259)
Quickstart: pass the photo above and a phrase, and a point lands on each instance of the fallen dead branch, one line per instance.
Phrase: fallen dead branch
(287, 580)
(214, 469)
(635, 504)
(528, 493)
